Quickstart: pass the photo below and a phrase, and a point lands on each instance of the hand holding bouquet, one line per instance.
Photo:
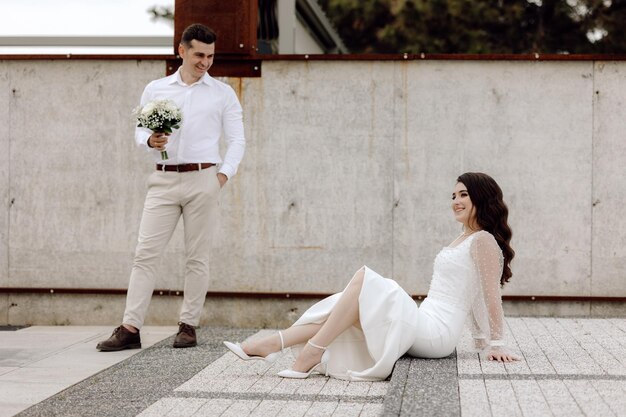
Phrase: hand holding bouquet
(160, 116)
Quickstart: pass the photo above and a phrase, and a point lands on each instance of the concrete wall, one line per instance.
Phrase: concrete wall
(348, 163)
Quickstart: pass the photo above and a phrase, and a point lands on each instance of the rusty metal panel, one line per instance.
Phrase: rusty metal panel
(234, 22)
(224, 68)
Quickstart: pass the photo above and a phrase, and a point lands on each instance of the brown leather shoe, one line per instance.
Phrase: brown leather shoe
(121, 339)
(186, 336)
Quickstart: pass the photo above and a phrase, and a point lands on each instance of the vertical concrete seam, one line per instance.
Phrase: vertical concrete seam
(9, 198)
(591, 208)
(393, 177)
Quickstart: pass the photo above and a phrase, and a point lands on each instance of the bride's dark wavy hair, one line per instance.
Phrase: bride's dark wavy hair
(491, 214)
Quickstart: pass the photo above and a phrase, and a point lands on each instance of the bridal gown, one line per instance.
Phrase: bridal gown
(465, 284)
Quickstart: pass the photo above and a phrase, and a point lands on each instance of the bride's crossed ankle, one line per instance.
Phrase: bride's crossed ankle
(267, 348)
(263, 346)
(308, 361)
(309, 357)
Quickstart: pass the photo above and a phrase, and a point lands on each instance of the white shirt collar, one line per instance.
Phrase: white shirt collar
(176, 78)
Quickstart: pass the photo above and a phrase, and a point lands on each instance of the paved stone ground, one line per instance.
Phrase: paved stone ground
(40, 361)
(571, 367)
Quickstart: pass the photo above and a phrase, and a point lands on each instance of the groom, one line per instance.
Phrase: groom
(187, 184)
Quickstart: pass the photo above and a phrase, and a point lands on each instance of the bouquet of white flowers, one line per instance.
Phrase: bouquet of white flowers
(160, 116)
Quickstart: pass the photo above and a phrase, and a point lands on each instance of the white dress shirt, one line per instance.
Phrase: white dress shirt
(209, 108)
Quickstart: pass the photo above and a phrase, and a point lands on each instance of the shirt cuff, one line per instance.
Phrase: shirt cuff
(142, 140)
(227, 170)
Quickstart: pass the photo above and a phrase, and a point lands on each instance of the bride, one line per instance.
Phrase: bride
(360, 333)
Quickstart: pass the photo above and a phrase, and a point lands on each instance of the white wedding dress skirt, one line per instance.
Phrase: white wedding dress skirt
(392, 326)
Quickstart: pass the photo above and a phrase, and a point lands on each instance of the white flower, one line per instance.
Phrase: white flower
(149, 108)
(159, 116)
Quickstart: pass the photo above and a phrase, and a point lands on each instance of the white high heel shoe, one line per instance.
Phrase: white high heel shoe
(290, 373)
(271, 358)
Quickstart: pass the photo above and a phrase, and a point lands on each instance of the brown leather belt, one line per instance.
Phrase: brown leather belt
(184, 167)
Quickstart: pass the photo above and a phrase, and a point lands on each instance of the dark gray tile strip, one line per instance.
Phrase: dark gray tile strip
(592, 377)
(376, 399)
(393, 400)
(423, 387)
(432, 388)
(132, 385)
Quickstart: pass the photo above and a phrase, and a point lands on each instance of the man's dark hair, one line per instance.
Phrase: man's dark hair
(199, 32)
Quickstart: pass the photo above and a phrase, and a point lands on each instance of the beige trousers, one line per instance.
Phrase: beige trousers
(194, 195)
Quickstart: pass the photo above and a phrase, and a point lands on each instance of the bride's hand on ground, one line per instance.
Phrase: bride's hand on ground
(502, 356)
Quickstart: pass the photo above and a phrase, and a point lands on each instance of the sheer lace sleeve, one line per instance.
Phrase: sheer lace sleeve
(487, 316)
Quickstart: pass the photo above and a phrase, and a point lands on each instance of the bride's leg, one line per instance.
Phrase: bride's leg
(292, 336)
(344, 315)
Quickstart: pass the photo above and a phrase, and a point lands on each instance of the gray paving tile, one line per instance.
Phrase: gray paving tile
(530, 398)
(322, 409)
(348, 409)
(620, 323)
(502, 398)
(553, 350)
(468, 363)
(213, 407)
(288, 386)
(371, 410)
(312, 386)
(378, 389)
(559, 399)
(467, 360)
(219, 365)
(431, 388)
(358, 388)
(186, 407)
(616, 333)
(474, 400)
(588, 399)
(160, 408)
(531, 351)
(7, 369)
(10, 408)
(206, 383)
(295, 408)
(520, 366)
(393, 400)
(614, 395)
(265, 384)
(268, 408)
(492, 367)
(610, 341)
(241, 384)
(582, 360)
(517, 367)
(580, 330)
(334, 387)
(241, 408)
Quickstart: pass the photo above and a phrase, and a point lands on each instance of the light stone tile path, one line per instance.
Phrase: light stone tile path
(569, 367)
(40, 361)
(254, 386)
